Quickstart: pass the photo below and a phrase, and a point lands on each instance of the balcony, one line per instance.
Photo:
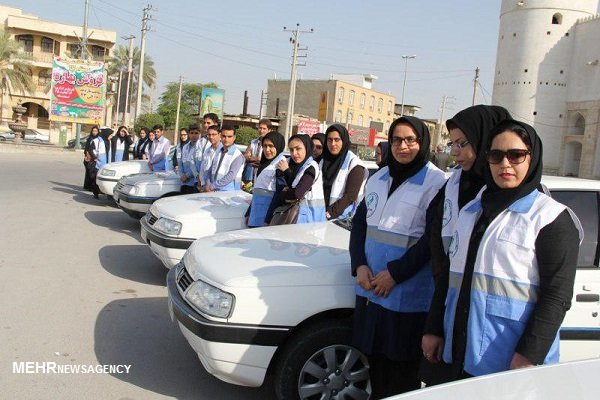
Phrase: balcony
(45, 58)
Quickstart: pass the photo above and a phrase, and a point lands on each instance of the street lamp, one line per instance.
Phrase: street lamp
(405, 58)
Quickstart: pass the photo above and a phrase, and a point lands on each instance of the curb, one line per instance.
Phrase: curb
(9, 147)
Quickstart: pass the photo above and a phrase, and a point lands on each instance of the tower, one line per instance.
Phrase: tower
(535, 46)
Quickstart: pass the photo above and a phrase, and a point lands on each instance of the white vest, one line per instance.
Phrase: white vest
(207, 159)
(315, 196)
(339, 184)
(450, 213)
(266, 179)
(101, 152)
(219, 171)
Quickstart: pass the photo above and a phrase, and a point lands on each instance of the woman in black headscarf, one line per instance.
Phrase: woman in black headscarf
(381, 154)
(513, 260)
(391, 307)
(318, 145)
(184, 138)
(140, 145)
(273, 144)
(344, 176)
(119, 145)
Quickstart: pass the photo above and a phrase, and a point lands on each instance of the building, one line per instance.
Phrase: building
(41, 41)
(347, 99)
(548, 75)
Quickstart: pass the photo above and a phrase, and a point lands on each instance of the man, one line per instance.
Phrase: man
(226, 170)
(254, 151)
(160, 150)
(188, 163)
(213, 136)
(139, 148)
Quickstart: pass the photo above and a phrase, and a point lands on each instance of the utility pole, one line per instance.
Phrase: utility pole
(119, 95)
(263, 99)
(405, 58)
(295, 40)
(475, 83)
(178, 108)
(145, 28)
(438, 136)
(129, 73)
(83, 45)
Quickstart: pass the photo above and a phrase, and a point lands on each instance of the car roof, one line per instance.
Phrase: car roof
(570, 183)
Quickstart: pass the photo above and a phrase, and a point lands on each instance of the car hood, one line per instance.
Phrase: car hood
(123, 168)
(288, 255)
(192, 207)
(151, 178)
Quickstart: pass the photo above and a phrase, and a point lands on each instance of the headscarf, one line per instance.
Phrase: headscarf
(321, 138)
(401, 172)
(295, 167)
(494, 200)
(279, 143)
(183, 142)
(385, 149)
(476, 123)
(88, 141)
(333, 163)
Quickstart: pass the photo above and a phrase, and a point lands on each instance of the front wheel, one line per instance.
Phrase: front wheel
(319, 363)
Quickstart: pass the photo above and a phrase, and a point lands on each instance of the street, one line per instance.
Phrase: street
(77, 286)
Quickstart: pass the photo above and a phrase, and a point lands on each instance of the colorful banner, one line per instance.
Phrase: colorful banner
(212, 102)
(78, 91)
(361, 135)
(308, 127)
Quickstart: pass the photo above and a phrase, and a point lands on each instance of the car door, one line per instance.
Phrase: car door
(580, 332)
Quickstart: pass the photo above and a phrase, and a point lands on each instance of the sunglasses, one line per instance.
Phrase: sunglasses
(514, 156)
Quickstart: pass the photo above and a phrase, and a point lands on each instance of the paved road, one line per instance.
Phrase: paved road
(77, 286)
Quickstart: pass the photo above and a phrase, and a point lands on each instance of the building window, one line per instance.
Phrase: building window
(341, 95)
(338, 116)
(557, 19)
(360, 120)
(98, 52)
(26, 42)
(372, 103)
(380, 105)
(73, 50)
(349, 118)
(351, 97)
(47, 45)
(390, 107)
(44, 77)
(363, 99)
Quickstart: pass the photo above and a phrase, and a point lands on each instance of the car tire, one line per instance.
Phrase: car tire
(319, 363)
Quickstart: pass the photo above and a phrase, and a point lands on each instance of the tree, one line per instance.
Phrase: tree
(148, 121)
(244, 134)
(190, 102)
(15, 73)
(119, 62)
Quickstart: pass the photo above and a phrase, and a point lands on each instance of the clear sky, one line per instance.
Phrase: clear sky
(239, 44)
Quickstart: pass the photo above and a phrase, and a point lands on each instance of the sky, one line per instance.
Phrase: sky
(240, 44)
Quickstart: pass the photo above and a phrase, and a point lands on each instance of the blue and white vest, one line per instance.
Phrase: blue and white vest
(119, 150)
(254, 152)
(158, 148)
(394, 224)
(186, 163)
(101, 152)
(262, 193)
(201, 145)
(218, 171)
(505, 283)
(450, 213)
(207, 159)
(339, 184)
(312, 206)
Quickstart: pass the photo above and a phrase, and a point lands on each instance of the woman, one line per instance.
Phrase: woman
(183, 140)
(390, 315)
(299, 180)
(513, 260)
(344, 176)
(318, 144)
(119, 145)
(469, 132)
(140, 146)
(381, 154)
(98, 152)
(273, 144)
(148, 151)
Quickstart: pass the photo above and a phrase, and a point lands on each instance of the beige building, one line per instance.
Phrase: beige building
(348, 99)
(41, 41)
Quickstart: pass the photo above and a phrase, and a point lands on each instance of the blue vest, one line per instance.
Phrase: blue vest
(254, 152)
(119, 150)
(262, 193)
(339, 184)
(450, 213)
(221, 165)
(394, 224)
(100, 152)
(312, 206)
(505, 283)
(185, 163)
(156, 152)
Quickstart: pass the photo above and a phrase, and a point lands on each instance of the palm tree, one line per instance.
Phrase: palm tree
(118, 62)
(15, 72)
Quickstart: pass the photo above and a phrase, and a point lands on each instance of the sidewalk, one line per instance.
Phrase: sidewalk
(31, 148)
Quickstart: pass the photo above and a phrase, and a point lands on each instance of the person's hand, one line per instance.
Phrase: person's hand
(520, 361)
(433, 347)
(383, 283)
(327, 215)
(208, 188)
(183, 178)
(282, 165)
(364, 275)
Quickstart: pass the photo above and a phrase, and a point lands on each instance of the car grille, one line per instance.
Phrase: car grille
(151, 218)
(119, 186)
(184, 280)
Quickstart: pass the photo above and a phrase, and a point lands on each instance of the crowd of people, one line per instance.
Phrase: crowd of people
(455, 277)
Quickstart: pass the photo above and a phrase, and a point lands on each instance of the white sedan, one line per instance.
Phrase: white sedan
(109, 175)
(135, 194)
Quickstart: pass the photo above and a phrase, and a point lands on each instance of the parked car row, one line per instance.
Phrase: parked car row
(29, 135)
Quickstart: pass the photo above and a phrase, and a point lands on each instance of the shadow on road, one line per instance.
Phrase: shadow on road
(116, 221)
(133, 262)
(81, 195)
(139, 332)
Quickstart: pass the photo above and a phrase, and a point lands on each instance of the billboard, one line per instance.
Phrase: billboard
(308, 127)
(78, 91)
(212, 101)
(361, 135)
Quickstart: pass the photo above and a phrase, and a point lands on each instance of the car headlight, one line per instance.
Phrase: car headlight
(209, 299)
(168, 226)
(108, 172)
(129, 189)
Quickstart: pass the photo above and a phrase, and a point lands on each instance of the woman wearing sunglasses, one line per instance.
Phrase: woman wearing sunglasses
(512, 264)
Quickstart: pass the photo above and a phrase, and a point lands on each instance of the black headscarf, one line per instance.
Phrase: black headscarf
(401, 172)
(494, 200)
(321, 138)
(279, 143)
(385, 149)
(476, 123)
(295, 167)
(333, 163)
(88, 141)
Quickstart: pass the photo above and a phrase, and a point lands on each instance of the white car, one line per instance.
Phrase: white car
(173, 223)
(109, 175)
(135, 194)
(280, 299)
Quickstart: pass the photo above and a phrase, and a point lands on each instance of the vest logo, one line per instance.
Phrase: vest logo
(371, 201)
(447, 212)
(453, 245)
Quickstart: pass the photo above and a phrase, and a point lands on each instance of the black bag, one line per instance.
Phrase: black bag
(286, 214)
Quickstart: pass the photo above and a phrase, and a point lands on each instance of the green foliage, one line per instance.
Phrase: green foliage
(15, 69)
(190, 103)
(148, 121)
(244, 134)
